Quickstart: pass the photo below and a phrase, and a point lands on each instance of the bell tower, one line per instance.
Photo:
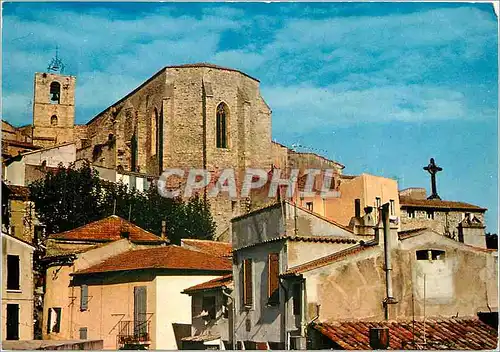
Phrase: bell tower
(53, 105)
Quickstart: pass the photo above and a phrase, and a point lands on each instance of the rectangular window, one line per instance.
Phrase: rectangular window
(208, 306)
(13, 272)
(430, 214)
(273, 278)
(309, 206)
(378, 202)
(393, 208)
(411, 213)
(296, 295)
(83, 333)
(84, 297)
(247, 283)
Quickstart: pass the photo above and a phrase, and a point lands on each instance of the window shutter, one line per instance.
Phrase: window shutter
(248, 284)
(83, 333)
(49, 320)
(140, 307)
(84, 297)
(273, 277)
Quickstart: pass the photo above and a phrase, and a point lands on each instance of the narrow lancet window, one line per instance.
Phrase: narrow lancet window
(222, 116)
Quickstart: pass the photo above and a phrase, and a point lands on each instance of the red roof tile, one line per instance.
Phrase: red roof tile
(218, 249)
(440, 334)
(225, 280)
(19, 192)
(437, 204)
(106, 230)
(323, 261)
(166, 257)
(318, 239)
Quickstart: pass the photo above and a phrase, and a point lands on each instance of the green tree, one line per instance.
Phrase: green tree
(72, 197)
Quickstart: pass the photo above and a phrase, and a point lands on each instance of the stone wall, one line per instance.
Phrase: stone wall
(441, 221)
(45, 132)
(457, 283)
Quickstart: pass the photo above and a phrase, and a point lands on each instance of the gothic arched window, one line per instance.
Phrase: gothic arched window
(53, 120)
(154, 132)
(55, 93)
(221, 125)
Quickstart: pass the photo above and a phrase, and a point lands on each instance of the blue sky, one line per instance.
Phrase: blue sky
(379, 87)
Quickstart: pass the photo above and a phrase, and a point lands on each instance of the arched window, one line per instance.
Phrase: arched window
(221, 125)
(53, 120)
(55, 93)
(154, 132)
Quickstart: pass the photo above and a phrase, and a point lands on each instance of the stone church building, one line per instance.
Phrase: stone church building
(189, 116)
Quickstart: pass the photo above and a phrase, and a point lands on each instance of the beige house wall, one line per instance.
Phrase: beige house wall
(111, 300)
(365, 187)
(60, 294)
(24, 296)
(173, 307)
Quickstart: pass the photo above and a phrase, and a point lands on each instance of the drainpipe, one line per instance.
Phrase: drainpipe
(233, 331)
(389, 298)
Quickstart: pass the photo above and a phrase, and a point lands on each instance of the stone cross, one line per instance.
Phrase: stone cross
(433, 169)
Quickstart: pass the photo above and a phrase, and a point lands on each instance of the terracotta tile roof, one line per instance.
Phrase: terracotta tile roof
(106, 230)
(318, 239)
(437, 204)
(331, 258)
(215, 248)
(21, 192)
(226, 280)
(403, 235)
(441, 334)
(201, 338)
(166, 257)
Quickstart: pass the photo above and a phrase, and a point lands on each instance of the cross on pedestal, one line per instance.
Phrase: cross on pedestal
(433, 169)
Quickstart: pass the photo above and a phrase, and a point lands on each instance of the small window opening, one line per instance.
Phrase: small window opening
(55, 93)
(430, 254)
(411, 213)
(430, 214)
(208, 306)
(53, 120)
(393, 208)
(309, 206)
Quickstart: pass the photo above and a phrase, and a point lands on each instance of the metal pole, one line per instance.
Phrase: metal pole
(387, 256)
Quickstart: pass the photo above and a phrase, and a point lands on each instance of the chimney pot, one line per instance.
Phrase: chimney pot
(357, 207)
(379, 338)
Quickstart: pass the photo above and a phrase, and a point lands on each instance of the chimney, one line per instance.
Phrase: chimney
(164, 231)
(357, 207)
(379, 338)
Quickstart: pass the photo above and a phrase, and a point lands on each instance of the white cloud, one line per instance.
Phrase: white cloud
(312, 108)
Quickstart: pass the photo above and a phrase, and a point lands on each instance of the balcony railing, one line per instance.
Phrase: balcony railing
(133, 332)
